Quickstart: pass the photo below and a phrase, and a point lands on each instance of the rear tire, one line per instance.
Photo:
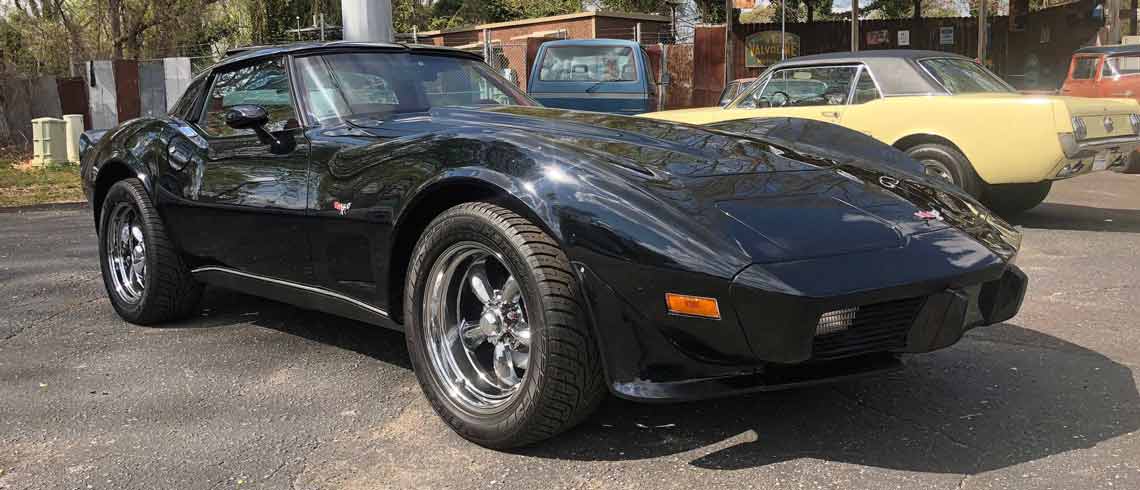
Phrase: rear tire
(947, 163)
(145, 276)
(484, 400)
(1011, 199)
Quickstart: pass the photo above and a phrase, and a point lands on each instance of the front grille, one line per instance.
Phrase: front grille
(864, 329)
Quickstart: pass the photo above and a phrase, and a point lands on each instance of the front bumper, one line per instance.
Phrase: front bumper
(791, 346)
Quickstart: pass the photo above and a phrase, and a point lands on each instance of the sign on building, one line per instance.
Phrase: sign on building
(946, 36)
(904, 38)
(763, 48)
(879, 37)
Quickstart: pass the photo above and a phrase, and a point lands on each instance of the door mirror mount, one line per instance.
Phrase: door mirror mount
(255, 117)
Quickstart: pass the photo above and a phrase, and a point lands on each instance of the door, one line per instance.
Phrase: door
(242, 202)
(810, 92)
(367, 113)
(1082, 79)
(1120, 76)
(865, 110)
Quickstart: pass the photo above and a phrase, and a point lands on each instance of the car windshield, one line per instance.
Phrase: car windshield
(360, 86)
(962, 76)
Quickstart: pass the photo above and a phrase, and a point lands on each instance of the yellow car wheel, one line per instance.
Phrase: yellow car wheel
(945, 162)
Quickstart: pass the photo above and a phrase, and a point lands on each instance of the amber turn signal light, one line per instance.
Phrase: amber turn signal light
(680, 304)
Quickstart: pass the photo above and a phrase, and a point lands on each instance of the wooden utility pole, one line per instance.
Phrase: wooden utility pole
(728, 38)
(854, 25)
(982, 31)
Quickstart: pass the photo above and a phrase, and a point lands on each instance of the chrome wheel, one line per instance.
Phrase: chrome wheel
(475, 328)
(935, 168)
(126, 253)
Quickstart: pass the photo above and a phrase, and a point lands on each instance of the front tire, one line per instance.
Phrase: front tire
(1011, 199)
(496, 331)
(144, 274)
(949, 164)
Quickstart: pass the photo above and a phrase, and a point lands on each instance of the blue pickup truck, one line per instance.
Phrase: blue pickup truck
(602, 75)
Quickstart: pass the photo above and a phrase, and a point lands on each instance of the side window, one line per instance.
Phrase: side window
(1115, 66)
(264, 83)
(1084, 67)
(810, 86)
(865, 89)
(460, 85)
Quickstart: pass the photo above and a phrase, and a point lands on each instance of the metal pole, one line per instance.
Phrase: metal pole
(322, 26)
(487, 46)
(367, 20)
(637, 32)
(415, 36)
(982, 32)
(783, 16)
(854, 25)
(663, 84)
(1132, 19)
(728, 41)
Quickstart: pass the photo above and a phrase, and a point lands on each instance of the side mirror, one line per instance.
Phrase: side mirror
(247, 116)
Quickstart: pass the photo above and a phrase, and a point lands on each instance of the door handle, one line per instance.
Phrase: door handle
(831, 114)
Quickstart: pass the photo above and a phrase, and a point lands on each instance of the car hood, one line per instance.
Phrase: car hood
(779, 189)
(652, 147)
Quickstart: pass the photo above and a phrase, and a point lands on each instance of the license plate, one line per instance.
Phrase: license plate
(1100, 162)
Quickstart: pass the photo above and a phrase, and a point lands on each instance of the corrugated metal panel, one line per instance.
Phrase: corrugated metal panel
(152, 88)
(178, 76)
(708, 76)
(100, 77)
(127, 89)
(73, 98)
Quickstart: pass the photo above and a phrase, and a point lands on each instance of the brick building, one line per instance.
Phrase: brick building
(513, 43)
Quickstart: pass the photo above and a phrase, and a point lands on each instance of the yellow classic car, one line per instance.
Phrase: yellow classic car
(958, 119)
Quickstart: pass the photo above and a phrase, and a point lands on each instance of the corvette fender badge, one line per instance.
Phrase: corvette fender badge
(342, 207)
(933, 214)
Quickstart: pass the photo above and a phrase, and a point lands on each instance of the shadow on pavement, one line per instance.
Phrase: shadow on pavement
(1005, 395)
(1056, 216)
(222, 308)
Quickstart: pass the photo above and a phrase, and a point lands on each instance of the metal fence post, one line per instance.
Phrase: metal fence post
(662, 78)
(487, 46)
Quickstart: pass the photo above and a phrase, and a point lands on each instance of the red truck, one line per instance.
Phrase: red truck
(1106, 71)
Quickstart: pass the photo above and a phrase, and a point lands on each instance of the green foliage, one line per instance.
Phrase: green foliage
(643, 6)
(447, 14)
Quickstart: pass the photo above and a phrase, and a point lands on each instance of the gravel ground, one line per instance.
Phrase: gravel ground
(256, 394)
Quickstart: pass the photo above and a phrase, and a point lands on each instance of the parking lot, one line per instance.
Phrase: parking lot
(255, 394)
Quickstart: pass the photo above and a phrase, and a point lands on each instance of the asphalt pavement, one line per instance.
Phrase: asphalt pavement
(256, 394)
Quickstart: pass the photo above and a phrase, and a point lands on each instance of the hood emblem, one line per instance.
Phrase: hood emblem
(342, 207)
(930, 215)
(1108, 125)
(888, 181)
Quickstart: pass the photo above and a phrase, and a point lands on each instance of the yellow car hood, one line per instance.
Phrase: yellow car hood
(700, 115)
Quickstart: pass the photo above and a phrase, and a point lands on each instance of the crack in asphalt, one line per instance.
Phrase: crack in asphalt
(979, 455)
(882, 411)
(304, 464)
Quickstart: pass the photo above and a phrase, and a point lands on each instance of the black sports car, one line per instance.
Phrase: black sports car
(537, 258)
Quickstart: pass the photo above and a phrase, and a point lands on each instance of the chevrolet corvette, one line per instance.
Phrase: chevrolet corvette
(539, 258)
